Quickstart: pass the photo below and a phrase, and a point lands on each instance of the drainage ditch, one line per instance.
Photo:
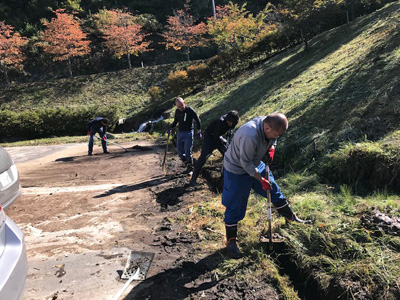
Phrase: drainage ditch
(305, 282)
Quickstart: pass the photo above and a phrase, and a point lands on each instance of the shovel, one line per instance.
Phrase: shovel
(165, 157)
(136, 268)
(271, 238)
(126, 150)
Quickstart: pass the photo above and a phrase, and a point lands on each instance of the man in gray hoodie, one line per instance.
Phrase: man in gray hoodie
(244, 170)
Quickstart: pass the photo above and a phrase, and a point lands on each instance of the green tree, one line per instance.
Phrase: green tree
(235, 30)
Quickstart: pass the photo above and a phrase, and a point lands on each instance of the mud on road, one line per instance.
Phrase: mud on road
(82, 216)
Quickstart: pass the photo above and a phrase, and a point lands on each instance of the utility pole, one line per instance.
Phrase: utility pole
(213, 7)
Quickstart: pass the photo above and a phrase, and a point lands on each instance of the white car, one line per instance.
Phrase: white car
(13, 260)
(10, 188)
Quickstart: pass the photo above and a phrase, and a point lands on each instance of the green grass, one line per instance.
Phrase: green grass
(125, 88)
(336, 251)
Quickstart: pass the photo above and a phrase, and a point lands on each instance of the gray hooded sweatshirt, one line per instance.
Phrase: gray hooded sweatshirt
(248, 148)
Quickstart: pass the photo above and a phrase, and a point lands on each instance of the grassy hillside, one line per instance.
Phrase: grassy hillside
(344, 88)
(64, 106)
(125, 88)
(342, 97)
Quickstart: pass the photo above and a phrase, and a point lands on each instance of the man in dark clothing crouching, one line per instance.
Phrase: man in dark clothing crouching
(213, 140)
(244, 170)
(97, 125)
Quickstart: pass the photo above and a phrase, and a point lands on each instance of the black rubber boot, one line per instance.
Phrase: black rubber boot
(189, 168)
(286, 211)
(193, 181)
(232, 249)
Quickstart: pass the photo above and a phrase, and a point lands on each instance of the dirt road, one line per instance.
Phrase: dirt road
(82, 216)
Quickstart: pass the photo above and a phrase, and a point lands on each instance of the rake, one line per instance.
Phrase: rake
(125, 149)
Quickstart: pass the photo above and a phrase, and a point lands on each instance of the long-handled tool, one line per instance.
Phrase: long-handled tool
(164, 165)
(126, 149)
(270, 244)
(136, 268)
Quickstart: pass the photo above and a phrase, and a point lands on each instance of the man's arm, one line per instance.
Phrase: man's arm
(175, 120)
(197, 119)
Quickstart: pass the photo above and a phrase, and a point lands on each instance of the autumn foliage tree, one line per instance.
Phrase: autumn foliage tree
(183, 32)
(122, 34)
(11, 56)
(64, 39)
(235, 30)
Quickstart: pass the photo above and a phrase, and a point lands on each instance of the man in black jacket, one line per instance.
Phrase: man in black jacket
(184, 115)
(213, 140)
(97, 125)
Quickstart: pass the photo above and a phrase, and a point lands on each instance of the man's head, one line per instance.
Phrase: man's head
(180, 103)
(275, 125)
(104, 121)
(232, 118)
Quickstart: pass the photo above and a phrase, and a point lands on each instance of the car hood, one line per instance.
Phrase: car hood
(5, 160)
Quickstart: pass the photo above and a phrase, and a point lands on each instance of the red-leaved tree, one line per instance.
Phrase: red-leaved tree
(122, 34)
(183, 32)
(64, 39)
(11, 56)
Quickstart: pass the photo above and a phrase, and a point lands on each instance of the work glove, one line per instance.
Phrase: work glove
(266, 185)
(89, 132)
(270, 155)
(104, 138)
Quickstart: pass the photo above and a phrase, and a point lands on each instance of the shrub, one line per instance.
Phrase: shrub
(199, 72)
(59, 121)
(177, 81)
(154, 92)
(364, 165)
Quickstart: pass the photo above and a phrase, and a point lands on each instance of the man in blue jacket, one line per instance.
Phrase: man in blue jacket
(185, 115)
(97, 125)
(213, 139)
(244, 170)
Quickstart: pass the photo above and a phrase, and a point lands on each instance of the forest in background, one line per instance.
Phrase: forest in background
(261, 27)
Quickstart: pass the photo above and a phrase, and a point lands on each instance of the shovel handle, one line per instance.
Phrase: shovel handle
(270, 244)
(165, 156)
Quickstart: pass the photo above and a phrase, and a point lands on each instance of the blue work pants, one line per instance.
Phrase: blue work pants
(185, 146)
(236, 191)
(91, 139)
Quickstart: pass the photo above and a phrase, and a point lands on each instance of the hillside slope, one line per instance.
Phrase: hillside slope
(345, 87)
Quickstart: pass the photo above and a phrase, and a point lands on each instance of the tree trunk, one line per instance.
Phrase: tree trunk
(188, 53)
(353, 11)
(351, 14)
(129, 61)
(70, 68)
(304, 37)
(4, 70)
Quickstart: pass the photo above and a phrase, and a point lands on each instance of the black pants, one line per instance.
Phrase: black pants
(209, 145)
